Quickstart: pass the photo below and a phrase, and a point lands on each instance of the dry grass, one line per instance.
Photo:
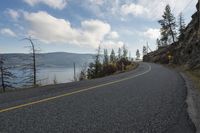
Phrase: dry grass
(132, 66)
(195, 76)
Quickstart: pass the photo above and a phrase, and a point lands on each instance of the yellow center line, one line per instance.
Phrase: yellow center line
(71, 93)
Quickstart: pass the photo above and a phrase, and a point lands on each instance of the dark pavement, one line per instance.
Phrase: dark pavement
(150, 99)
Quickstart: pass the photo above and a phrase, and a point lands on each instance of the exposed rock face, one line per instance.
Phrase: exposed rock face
(184, 52)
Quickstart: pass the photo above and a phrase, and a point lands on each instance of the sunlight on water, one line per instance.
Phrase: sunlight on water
(47, 76)
(62, 75)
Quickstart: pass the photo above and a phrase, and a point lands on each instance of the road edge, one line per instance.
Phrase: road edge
(193, 102)
(73, 92)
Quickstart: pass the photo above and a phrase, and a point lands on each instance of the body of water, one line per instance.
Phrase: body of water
(60, 75)
(46, 76)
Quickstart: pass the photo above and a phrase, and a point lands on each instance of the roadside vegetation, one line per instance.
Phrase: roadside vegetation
(106, 64)
(195, 76)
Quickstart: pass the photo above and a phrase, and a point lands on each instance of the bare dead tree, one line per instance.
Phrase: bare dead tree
(55, 81)
(31, 68)
(6, 75)
(83, 73)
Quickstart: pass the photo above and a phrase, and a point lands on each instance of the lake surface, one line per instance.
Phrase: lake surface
(46, 76)
(61, 75)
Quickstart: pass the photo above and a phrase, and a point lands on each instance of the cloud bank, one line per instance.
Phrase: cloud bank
(50, 29)
(56, 4)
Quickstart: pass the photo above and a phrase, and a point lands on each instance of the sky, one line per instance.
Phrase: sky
(80, 26)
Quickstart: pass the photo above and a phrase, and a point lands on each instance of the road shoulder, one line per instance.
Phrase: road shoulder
(193, 102)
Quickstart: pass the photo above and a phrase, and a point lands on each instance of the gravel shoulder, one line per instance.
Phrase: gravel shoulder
(193, 102)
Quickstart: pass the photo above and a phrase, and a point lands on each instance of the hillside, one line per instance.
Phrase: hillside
(185, 52)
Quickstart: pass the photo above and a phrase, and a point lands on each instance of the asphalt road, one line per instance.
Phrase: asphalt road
(150, 99)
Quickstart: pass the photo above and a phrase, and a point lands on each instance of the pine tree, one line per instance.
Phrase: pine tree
(106, 59)
(98, 62)
(181, 23)
(119, 53)
(95, 69)
(158, 43)
(129, 56)
(144, 50)
(112, 56)
(83, 73)
(137, 54)
(168, 26)
(125, 51)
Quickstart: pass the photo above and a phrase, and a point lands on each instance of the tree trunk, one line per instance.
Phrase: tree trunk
(172, 33)
(34, 64)
(2, 79)
(199, 17)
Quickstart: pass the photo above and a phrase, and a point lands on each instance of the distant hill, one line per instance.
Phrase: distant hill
(57, 59)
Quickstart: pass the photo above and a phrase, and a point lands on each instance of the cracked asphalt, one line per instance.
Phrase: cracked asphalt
(150, 99)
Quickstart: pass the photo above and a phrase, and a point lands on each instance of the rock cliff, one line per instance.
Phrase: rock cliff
(185, 52)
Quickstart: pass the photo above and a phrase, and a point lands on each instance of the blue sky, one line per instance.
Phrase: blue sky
(79, 26)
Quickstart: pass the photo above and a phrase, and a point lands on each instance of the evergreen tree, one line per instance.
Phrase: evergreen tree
(168, 26)
(181, 23)
(106, 59)
(112, 56)
(144, 50)
(97, 62)
(91, 71)
(158, 43)
(125, 51)
(119, 53)
(95, 69)
(83, 73)
(137, 54)
(129, 56)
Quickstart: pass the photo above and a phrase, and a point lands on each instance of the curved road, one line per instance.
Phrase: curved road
(150, 99)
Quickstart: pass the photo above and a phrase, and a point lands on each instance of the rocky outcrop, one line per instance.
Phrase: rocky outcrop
(185, 52)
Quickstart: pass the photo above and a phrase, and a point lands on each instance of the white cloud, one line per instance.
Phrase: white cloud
(156, 7)
(113, 35)
(152, 33)
(110, 44)
(7, 32)
(97, 2)
(151, 10)
(102, 8)
(56, 4)
(50, 29)
(133, 9)
(13, 14)
(95, 29)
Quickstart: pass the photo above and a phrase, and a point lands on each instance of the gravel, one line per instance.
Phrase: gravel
(193, 102)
